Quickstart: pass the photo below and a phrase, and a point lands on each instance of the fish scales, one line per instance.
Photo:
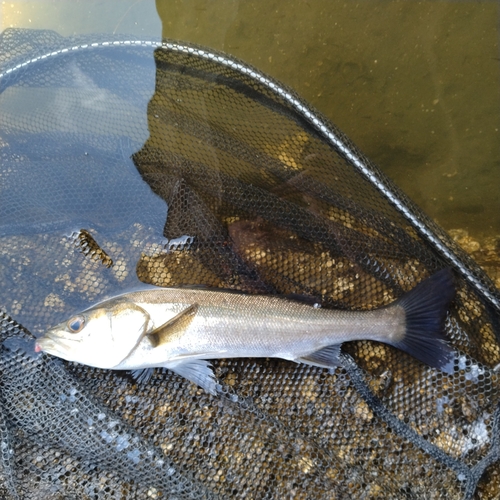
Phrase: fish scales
(242, 325)
(181, 328)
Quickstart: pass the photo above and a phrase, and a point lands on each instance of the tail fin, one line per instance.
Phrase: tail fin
(425, 307)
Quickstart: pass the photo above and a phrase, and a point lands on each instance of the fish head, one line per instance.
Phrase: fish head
(101, 336)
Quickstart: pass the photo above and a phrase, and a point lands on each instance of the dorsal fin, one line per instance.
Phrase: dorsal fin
(302, 298)
(173, 327)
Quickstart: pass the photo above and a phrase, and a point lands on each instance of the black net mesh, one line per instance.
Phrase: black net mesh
(168, 164)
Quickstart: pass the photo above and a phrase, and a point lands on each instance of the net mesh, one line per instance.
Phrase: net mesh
(125, 161)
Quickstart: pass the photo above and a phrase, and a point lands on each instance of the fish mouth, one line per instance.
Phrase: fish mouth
(54, 345)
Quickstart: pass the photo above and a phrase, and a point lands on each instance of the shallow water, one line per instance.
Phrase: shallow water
(414, 84)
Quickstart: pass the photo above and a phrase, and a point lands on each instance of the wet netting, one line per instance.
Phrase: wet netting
(126, 162)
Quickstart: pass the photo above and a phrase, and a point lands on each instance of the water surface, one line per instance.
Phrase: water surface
(414, 84)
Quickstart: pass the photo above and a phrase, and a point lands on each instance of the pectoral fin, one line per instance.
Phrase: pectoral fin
(173, 327)
(142, 375)
(328, 357)
(197, 371)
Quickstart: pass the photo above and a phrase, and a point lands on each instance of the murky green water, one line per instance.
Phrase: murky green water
(416, 85)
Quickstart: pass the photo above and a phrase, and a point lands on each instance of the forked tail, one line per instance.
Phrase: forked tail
(426, 307)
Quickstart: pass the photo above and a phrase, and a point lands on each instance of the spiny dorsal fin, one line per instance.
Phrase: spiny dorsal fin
(175, 326)
(328, 357)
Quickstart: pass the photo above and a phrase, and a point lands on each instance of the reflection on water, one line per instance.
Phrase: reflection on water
(414, 84)
(74, 206)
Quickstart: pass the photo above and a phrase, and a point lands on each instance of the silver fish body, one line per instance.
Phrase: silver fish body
(180, 328)
(234, 325)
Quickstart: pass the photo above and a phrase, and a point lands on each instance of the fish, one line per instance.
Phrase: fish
(182, 328)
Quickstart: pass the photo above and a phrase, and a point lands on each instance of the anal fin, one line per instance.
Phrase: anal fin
(327, 357)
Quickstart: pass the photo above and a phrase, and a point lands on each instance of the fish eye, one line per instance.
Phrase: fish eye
(76, 323)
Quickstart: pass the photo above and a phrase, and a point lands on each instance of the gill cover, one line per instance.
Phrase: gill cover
(128, 323)
(101, 336)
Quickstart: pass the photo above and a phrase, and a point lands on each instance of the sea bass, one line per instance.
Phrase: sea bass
(181, 328)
